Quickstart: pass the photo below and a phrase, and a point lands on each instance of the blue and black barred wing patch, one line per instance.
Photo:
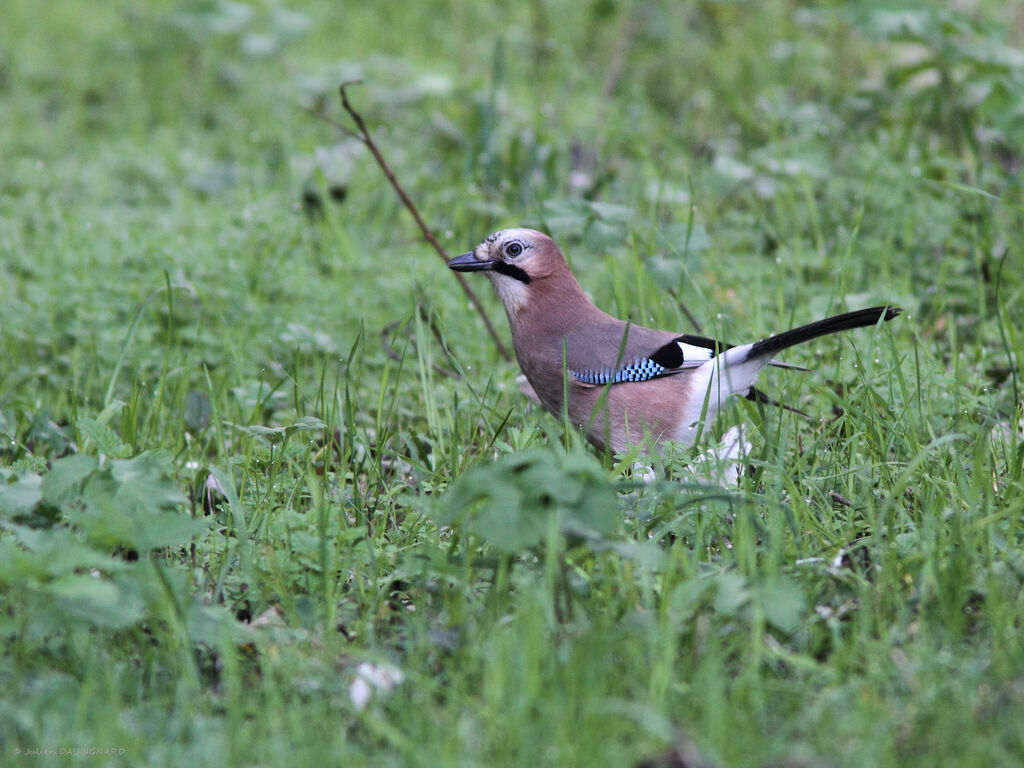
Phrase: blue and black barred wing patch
(641, 369)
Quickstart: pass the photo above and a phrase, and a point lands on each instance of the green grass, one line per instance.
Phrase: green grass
(181, 298)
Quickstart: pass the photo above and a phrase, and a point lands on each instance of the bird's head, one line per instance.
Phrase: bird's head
(518, 262)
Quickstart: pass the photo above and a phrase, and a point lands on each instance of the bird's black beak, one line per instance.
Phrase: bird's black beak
(466, 262)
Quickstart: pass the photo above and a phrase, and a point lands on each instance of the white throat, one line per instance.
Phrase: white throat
(512, 292)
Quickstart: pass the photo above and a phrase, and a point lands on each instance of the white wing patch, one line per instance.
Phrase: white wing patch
(693, 353)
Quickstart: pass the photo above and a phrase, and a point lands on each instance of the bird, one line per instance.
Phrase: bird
(619, 382)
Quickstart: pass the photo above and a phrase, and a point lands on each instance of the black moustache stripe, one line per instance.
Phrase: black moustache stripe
(512, 271)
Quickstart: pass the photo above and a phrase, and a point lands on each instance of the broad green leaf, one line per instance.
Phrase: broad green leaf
(65, 478)
(258, 430)
(732, 594)
(130, 502)
(147, 481)
(511, 502)
(44, 432)
(211, 624)
(96, 600)
(106, 440)
(688, 597)
(306, 424)
(783, 604)
(612, 212)
(19, 493)
(166, 529)
(36, 553)
(114, 408)
(565, 217)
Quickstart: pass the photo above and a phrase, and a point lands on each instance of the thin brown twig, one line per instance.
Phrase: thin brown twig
(838, 498)
(363, 135)
(331, 121)
(686, 310)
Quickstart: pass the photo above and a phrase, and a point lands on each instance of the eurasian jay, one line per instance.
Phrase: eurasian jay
(622, 382)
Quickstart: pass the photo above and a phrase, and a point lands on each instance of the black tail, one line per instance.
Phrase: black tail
(844, 322)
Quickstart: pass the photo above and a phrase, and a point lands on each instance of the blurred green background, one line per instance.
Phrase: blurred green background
(195, 272)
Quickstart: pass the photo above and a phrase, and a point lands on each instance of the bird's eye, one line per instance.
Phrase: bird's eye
(514, 249)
